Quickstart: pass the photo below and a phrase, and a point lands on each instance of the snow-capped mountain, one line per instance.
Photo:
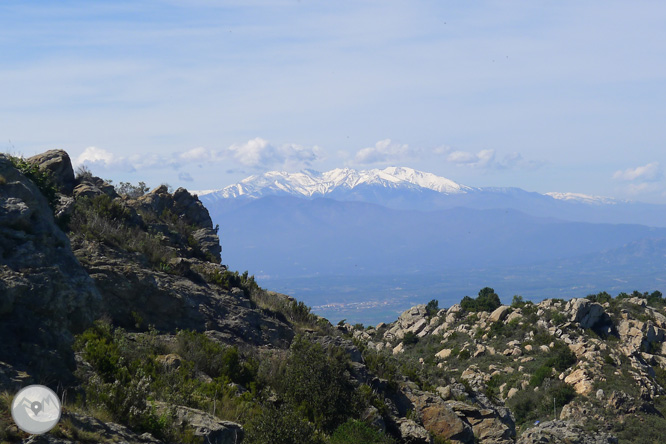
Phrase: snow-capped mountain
(583, 198)
(309, 183)
(402, 188)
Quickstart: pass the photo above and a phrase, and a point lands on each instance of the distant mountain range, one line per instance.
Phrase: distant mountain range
(403, 222)
(408, 189)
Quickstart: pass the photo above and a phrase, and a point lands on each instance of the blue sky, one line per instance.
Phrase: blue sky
(546, 96)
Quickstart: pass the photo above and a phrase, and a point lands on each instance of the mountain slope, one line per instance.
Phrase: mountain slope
(287, 236)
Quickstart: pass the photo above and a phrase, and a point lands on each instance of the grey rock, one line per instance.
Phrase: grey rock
(210, 428)
(45, 293)
(563, 432)
(58, 163)
(209, 242)
(191, 208)
(586, 313)
(412, 433)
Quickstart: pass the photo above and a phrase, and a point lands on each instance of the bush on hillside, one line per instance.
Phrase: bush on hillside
(355, 432)
(487, 300)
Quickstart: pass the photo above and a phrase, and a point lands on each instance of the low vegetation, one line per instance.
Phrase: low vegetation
(129, 374)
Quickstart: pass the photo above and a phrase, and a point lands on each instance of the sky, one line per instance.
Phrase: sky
(563, 96)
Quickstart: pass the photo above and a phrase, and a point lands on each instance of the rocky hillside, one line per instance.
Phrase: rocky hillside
(587, 370)
(116, 297)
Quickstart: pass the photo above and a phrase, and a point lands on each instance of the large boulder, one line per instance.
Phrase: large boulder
(443, 422)
(211, 429)
(586, 313)
(499, 313)
(412, 433)
(487, 424)
(58, 163)
(581, 380)
(461, 422)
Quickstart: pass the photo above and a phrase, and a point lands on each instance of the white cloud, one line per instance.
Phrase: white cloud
(256, 153)
(260, 154)
(482, 159)
(486, 159)
(385, 151)
(199, 154)
(647, 173)
(101, 158)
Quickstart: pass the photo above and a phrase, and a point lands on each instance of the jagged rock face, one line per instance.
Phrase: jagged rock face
(587, 313)
(45, 294)
(58, 163)
(185, 206)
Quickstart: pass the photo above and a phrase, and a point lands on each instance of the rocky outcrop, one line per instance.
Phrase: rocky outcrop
(440, 420)
(45, 293)
(562, 432)
(58, 163)
(187, 209)
(412, 433)
(413, 320)
(206, 426)
(581, 380)
(461, 422)
(588, 314)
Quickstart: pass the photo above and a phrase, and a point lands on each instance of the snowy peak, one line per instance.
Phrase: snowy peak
(583, 198)
(309, 183)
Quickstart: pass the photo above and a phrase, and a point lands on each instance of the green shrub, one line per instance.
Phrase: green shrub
(315, 382)
(518, 301)
(600, 298)
(558, 317)
(100, 350)
(487, 300)
(42, 178)
(464, 355)
(356, 432)
(561, 393)
(528, 405)
(432, 308)
(542, 373)
(563, 358)
(280, 426)
(410, 338)
(214, 359)
(382, 365)
(130, 190)
(640, 428)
